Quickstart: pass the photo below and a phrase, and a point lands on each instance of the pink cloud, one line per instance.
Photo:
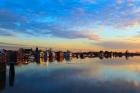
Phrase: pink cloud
(118, 1)
(89, 35)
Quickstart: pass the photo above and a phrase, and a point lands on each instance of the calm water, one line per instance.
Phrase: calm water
(90, 75)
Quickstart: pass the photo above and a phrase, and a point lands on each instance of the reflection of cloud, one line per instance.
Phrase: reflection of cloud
(134, 67)
(78, 78)
(131, 65)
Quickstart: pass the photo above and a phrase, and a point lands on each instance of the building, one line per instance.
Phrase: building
(46, 55)
(12, 56)
(2, 55)
(68, 54)
(41, 56)
(37, 55)
(59, 54)
(51, 54)
(20, 55)
(28, 52)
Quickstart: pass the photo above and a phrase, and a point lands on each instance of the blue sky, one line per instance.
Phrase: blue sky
(91, 24)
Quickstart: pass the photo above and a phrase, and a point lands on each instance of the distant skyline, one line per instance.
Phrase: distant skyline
(70, 24)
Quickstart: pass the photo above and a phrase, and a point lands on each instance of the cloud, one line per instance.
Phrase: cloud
(5, 32)
(125, 1)
(121, 16)
(118, 1)
(76, 35)
(63, 32)
(137, 10)
(10, 20)
(16, 33)
(14, 24)
(13, 46)
(118, 45)
(89, 1)
(59, 20)
(128, 23)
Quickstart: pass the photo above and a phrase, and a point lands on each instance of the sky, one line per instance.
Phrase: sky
(70, 24)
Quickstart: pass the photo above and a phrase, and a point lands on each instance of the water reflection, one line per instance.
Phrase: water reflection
(81, 76)
(68, 59)
(51, 59)
(11, 75)
(2, 76)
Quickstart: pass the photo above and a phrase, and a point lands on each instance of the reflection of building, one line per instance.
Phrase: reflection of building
(51, 54)
(60, 59)
(101, 54)
(41, 57)
(68, 54)
(2, 75)
(11, 75)
(51, 59)
(107, 54)
(76, 55)
(82, 55)
(41, 54)
(68, 59)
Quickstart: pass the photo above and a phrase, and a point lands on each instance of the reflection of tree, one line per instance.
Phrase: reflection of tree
(11, 75)
(2, 76)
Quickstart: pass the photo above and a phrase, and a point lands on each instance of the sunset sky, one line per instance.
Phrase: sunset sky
(71, 24)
